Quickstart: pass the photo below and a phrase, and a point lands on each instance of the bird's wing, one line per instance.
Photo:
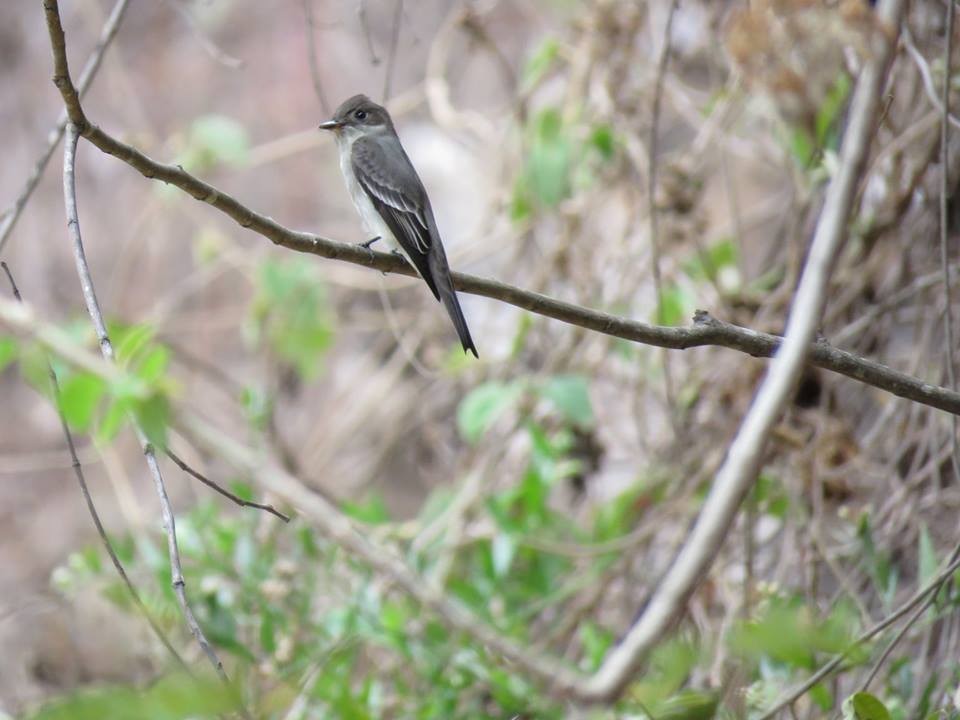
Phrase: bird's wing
(385, 173)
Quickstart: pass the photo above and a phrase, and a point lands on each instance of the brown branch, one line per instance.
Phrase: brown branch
(53, 137)
(222, 490)
(705, 331)
(92, 508)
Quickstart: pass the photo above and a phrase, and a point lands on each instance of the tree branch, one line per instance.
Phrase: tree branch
(222, 490)
(706, 330)
(53, 137)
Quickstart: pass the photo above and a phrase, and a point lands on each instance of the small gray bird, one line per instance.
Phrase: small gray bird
(391, 200)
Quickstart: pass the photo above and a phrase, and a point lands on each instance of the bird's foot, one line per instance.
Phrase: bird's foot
(369, 242)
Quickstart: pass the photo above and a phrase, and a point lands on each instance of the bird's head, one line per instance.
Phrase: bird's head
(358, 116)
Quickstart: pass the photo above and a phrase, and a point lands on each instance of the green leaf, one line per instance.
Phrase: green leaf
(927, 562)
(675, 305)
(826, 120)
(153, 417)
(153, 367)
(80, 396)
(129, 340)
(602, 140)
(372, 511)
(708, 264)
(291, 314)
(868, 707)
(540, 62)
(790, 633)
(548, 166)
(8, 351)
(481, 408)
(570, 395)
(113, 419)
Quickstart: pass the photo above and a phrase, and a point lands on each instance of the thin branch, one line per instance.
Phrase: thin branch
(739, 469)
(392, 51)
(10, 217)
(944, 231)
(706, 330)
(222, 490)
(654, 216)
(94, 514)
(312, 59)
(106, 348)
(926, 77)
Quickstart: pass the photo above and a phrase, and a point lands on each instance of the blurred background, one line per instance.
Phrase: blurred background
(547, 485)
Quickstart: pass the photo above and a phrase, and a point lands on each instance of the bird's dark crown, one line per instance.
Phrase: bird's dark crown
(361, 111)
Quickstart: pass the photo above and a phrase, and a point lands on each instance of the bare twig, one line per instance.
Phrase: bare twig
(9, 219)
(652, 190)
(94, 514)
(222, 490)
(944, 231)
(106, 348)
(392, 51)
(927, 77)
(739, 470)
(312, 59)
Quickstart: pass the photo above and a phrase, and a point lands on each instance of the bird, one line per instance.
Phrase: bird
(391, 200)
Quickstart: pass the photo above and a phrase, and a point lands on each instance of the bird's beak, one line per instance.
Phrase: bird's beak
(331, 125)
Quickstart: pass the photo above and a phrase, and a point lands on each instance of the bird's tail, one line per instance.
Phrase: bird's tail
(449, 299)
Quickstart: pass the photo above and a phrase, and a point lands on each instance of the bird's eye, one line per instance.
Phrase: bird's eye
(360, 114)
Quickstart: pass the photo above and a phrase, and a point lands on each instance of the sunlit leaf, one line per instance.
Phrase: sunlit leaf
(676, 305)
(8, 352)
(373, 510)
(540, 62)
(481, 408)
(80, 396)
(570, 395)
(867, 707)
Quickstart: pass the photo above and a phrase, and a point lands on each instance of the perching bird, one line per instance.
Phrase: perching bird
(391, 200)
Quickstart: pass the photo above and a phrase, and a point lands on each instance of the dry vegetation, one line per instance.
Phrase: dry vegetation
(547, 488)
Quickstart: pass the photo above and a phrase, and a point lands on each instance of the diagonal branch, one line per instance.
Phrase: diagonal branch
(706, 331)
(53, 137)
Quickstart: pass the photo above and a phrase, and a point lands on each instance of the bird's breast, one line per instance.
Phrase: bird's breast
(371, 220)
